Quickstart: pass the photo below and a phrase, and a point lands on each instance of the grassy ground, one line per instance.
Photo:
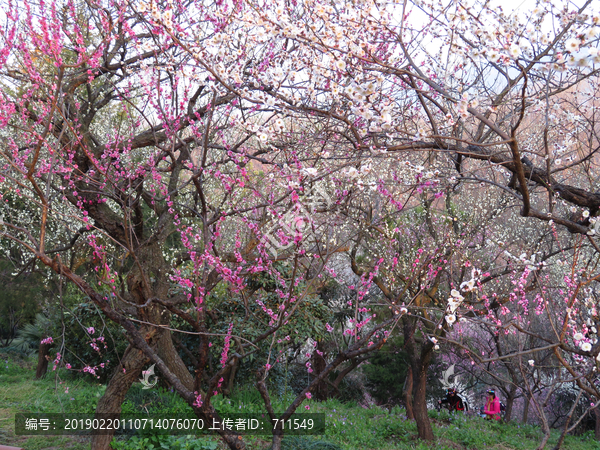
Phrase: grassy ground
(349, 426)
(20, 392)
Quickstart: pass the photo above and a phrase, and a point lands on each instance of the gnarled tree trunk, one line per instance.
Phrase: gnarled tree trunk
(110, 403)
(42, 365)
(133, 362)
(168, 353)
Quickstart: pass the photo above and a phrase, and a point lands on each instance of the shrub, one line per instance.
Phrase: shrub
(78, 342)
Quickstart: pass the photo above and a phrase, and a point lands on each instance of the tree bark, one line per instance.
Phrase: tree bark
(525, 409)
(42, 365)
(231, 377)
(510, 400)
(168, 353)
(110, 403)
(276, 442)
(420, 358)
(420, 401)
(133, 362)
(597, 427)
(408, 389)
(322, 390)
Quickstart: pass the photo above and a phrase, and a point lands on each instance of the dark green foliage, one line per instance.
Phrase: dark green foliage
(249, 315)
(20, 299)
(78, 349)
(159, 442)
(29, 336)
(386, 373)
(352, 389)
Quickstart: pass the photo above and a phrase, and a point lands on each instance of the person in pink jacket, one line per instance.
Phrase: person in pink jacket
(492, 406)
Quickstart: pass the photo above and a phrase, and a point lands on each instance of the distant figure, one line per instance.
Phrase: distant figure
(492, 406)
(453, 401)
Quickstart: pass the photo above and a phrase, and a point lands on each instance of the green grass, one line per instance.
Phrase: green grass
(20, 392)
(353, 427)
(349, 427)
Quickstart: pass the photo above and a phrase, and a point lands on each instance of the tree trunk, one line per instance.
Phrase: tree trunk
(525, 409)
(110, 403)
(42, 365)
(420, 402)
(597, 427)
(321, 392)
(276, 442)
(510, 400)
(133, 362)
(408, 389)
(419, 357)
(168, 353)
(231, 377)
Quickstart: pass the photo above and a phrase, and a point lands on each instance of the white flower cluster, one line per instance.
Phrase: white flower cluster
(468, 286)
(456, 298)
(454, 301)
(530, 262)
(586, 343)
(310, 171)
(580, 54)
(164, 17)
(594, 223)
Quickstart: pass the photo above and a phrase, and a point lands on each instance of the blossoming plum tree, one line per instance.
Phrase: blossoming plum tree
(196, 146)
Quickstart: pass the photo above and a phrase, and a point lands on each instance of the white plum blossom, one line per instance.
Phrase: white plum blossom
(340, 64)
(493, 56)
(352, 172)
(455, 300)
(591, 33)
(580, 58)
(572, 45)
(311, 171)
(468, 286)
(578, 336)
(586, 346)
(514, 51)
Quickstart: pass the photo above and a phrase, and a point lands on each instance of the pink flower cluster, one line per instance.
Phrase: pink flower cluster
(226, 346)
